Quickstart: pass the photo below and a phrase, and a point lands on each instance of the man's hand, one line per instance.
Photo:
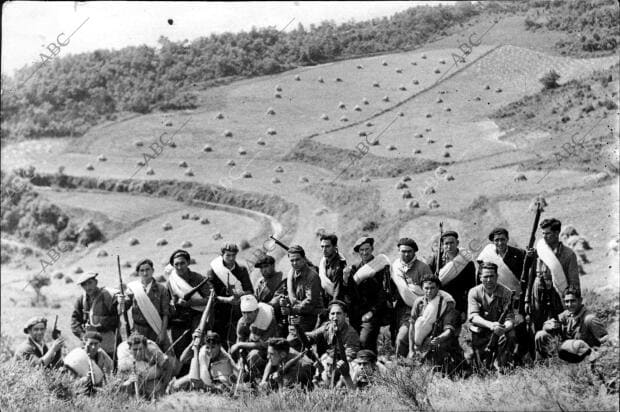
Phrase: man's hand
(57, 344)
(341, 366)
(367, 316)
(436, 340)
(527, 309)
(411, 354)
(346, 273)
(182, 303)
(530, 252)
(498, 329)
(234, 348)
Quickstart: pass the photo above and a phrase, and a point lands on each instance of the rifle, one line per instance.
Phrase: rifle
(434, 332)
(339, 354)
(122, 293)
(529, 268)
(307, 347)
(283, 246)
(55, 331)
(194, 370)
(191, 292)
(491, 349)
(439, 250)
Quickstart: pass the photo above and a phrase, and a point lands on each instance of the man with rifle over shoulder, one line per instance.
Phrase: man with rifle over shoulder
(492, 319)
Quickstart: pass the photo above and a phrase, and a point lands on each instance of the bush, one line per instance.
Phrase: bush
(44, 236)
(549, 80)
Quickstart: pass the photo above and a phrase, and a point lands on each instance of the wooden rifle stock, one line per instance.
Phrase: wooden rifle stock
(122, 293)
(529, 265)
(439, 250)
(194, 370)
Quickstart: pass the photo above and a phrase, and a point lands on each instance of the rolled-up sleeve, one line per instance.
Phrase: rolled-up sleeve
(473, 304)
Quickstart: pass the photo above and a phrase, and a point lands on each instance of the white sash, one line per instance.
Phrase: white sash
(452, 269)
(424, 324)
(408, 294)
(264, 316)
(326, 284)
(146, 306)
(180, 287)
(504, 274)
(225, 275)
(555, 267)
(369, 269)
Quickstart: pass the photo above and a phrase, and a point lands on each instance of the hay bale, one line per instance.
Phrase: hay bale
(391, 147)
(442, 61)
(219, 116)
(172, 145)
(271, 132)
(102, 158)
(433, 204)
(207, 148)
(278, 88)
(416, 82)
(440, 100)
(430, 141)
(428, 115)
(242, 151)
(150, 171)
(168, 124)
(133, 241)
(189, 172)
(446, 154)
(365, 101)
(277, 95)
(58, 275)
(520, 178)
(140, 163)
(386, 98)
(365, 179)
(440, 171)
(231, 162)
(428, 129)
(448, 145)
(401, 114)
(303, 179)
(228, 133)
(424, 56)
(161, 242)
(204, 221)
(362, 133)
(338, 80)
(417, 151)
(429, 190)
(186, 243)
(402, 87)
(279, 169)
(357, 108)
(138, 143)
(182, 163)
(487, 87)
(126, 264)
(247, 175)
(78, 270)
(341, 105)
(271, 111)
(102, 253)
(384, 63)
(399, 70)
(195, 217)
(217, 236)
(437, 71)
(344, 119)
(449, 178)
(260, 141)
(419, 135)
(477, 98)
(406, 194)
(376, 84)
(414, 63)
(413, 204)
(324, 116)
(68, 280)
(448, 109)
(359, 66)
(401, 185)
(275, 180)
(167, 226)
(374, 142)
(406, 178)
(297, 78)
(185, 216)
(498, 90)
(320, 79)
(369, 124)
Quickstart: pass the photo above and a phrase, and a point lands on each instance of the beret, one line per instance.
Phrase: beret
(248, 303)
(367, 355)
(361, 241)
(86, 276)
(450, 233)
(297, 249)
(143, 262)
(264, 261)
(213, 337)
(93, 335)
(33, 321)
(339, 303)
(179, 253)
(573, 350)
(497, 231)
(405, 241)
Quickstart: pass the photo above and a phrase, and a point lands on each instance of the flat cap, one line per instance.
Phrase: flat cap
(93, 335)
(179, 253)
(573, 350)
(265, 261)
(86, 276)
(405, 241)
(497, 231)
(297, 249)
(33, 321)
(361, 241)
(339, 303)
(367, 355)
(450, 233)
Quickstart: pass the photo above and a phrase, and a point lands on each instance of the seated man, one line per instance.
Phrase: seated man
(285, 367)
(34, 348)
(576, 331)
(256, 326)
(150, 369)
(217, 369)
(90, 364)
(365, 368)
(435, 326)
(490, 312)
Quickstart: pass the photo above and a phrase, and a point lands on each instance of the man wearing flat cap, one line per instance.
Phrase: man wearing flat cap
(230, 281)
(368, 279)
(365, 369)
(271, 283)
(509, 259)
(34, 349)
(186, 310)
(456, 272)
(96, 310)
(407, 273)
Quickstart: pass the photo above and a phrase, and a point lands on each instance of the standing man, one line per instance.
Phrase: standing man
(487, 302)
(457, 273)
(96, 310)
(187, 310)
(230, 281)
(509, 260)
(556, 270)
(369, 298)
(34, 349)
(150, 305)
(331, 269)
(407, 273)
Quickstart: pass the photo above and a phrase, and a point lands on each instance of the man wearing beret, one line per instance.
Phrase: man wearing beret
(230, 281)
(457, 273)
(368, 278)
(185, 314)
(407, 273)
(573, 335)
(96, 310)
(34, 349)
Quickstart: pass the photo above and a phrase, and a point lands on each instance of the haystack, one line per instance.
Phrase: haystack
(231, 162)
(138, 143)
(78, 270)
(182, 163)
(102, 253)
(275, 180)
(219, 116)
(413, 204)
(260, 141)
(414, 63)
(376, 84)
(429, 190)
(362, 133)
(406, 194)
(172, 145)
(384, 63)
(102, 158)
(324, 116)
(430, 141)
(357, 108)
(278, 88)
(386, 98)
(58, 275)
(448, 109)
(449, 178)
(185, 216)
(277, 96)
(344, 119)
(437, 71)
(207, 148)
(68, 280)
(133, 241)
(399, 71)
(428, 115)
(126, 264)
(150, 171)
(446, 154)
(401, 185)
(89, 167)
(365, 101)
(279, 169)
(186, 243)
(271, 111)
(359, 66)
(320, 79)
(168, 124)
(341, 105)
(433, 204)
(303, 179)
(406, 178)
(189, 172)
(338, 80)
(365, 179)
(374, 142)
(416, 82)
(247, 175)
(140, 163)
(242, 151)
(167, 226)
(195, 217)
(369, 124)
(520, 178)
(297, 78)
(448, 145)
(271, 131)
(391, 147)
(217, 236)
(424, 56)
(204, 221)
(228, 133)
(161, 242)
(440, 100)
(401, 114)
(440, 171)
(417, 151)
(498, 90)
(442, 61)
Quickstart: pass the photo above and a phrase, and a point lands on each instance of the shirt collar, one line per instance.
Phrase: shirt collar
(41, 348)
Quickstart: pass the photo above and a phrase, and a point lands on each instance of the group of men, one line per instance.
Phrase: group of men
(320, 325)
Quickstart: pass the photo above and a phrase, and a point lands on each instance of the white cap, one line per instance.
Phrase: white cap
(248, 303)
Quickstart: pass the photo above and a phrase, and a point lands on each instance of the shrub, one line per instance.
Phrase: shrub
(549, 80)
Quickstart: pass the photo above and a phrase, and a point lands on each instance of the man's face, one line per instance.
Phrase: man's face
(145, 271)
(572, 303)
(336, 314)
(406, 253)
(366, 366)
(430, 290)
(365, 252)
(229, 257)
(180, 265)
(249, 317)
(298, 262)
(274, 356)
(267, 270)
(450, 244)
(327, 248)
(37, 332)
(92, 347)
(551, 237)
(90, 286)
(488, 277)
(501, 242)
(212, 348)
(137, 350)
